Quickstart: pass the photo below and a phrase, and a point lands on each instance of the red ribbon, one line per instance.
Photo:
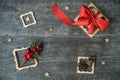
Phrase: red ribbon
(86, 18)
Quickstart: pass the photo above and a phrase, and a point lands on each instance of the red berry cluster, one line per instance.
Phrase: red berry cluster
(31, 52)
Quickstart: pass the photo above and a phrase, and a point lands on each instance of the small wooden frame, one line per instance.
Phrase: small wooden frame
(23, 20)
(95, 9)
(85, 72)
(17, 62)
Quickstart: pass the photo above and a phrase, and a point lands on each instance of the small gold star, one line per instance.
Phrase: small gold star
(103, 62)
(51, 29)
(107, 40)
(66, 8)
(47, 74)
(9, 40)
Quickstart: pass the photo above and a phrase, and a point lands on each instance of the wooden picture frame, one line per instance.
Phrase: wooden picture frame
(95, 9)
(23, 20)
(17, 62)
(85, 72)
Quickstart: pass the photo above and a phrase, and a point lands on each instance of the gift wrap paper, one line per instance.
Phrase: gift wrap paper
(63, 45)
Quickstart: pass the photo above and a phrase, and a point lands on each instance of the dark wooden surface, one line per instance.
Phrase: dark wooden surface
(63, 45)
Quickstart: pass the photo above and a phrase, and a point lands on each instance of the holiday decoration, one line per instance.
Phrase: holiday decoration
(47, 74)
(107, 40)
(32, 52)
(51, 29)
(103, 62)
(86, 65)
(67, 8)
(9, 40)
(90, 19)
(28, 19)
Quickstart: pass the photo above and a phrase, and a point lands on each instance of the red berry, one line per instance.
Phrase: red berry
(37, 53)
(29, 56)
(25, 57)
(28, 50)
(38, 47)
(34, 49)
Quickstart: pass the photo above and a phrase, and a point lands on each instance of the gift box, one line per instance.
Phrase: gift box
(94, 9)
(90, 19)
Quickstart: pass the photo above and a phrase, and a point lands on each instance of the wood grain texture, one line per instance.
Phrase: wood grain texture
(63, 45)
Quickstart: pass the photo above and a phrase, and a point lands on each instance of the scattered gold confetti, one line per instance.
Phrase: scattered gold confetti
(51, 29)
(107, 40)
(103, 62)
(66, 8)
(47, 74)
(9, 40)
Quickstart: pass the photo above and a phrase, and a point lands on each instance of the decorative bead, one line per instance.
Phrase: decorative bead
(9, 40)
(107, 40)
(51, 29)
(103, 62)
(47, 74)
(66, 8)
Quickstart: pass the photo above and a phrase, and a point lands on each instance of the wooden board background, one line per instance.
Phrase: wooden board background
(63, 45)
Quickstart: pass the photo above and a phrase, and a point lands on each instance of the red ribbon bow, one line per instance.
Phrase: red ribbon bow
(86, 18)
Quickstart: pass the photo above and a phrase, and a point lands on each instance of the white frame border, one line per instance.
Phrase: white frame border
(85, 72)
(23, 21)
(16, 60)
(97, 30)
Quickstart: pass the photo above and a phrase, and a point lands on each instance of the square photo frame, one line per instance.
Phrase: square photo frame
(27, 15)
(85, 59)
(18, 67)
(101, 15)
